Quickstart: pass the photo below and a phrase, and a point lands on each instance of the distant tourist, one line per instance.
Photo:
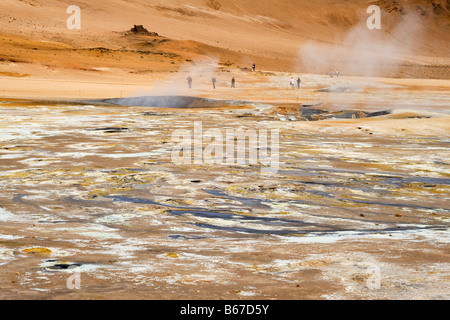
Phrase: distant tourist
(233, 82)
(298, 82)
(292, 82)
(214, 82)
(337, 73)
(254, 67)
(331, 74)
(189, 80)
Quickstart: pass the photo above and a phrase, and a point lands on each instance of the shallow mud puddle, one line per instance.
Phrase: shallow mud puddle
(95, 188)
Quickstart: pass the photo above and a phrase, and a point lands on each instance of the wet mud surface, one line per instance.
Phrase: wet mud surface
(93, 189)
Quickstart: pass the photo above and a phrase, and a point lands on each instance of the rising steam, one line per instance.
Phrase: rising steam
(201, 72)
(365, 52)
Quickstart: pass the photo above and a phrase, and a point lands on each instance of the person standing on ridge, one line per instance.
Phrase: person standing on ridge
(214, 82)
(233, 81)
(254, 67)
(292, 82)
(298, 82)
(189, 80)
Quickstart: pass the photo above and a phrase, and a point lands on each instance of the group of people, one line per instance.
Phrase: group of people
(233, 80)
(292, 82)
(213, 80)
(332, 74)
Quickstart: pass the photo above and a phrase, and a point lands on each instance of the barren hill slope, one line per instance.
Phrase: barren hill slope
(286, 35)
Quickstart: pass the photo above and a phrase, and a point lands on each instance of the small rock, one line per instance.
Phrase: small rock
(139, 29)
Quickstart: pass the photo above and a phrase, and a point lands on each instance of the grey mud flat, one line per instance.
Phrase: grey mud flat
(93, 189)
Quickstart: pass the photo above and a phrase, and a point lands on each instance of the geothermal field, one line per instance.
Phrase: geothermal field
(119, 179)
